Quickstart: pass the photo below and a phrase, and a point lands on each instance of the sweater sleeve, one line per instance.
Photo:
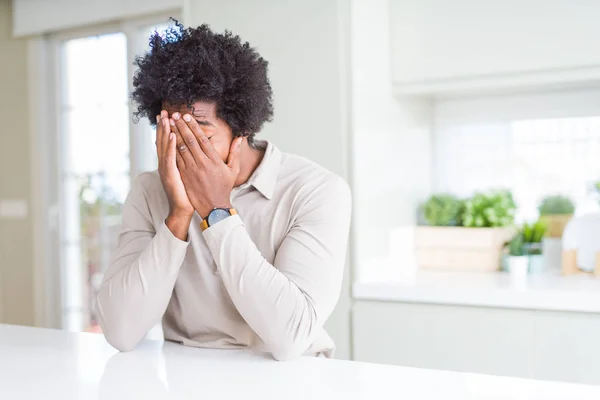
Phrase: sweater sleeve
(286, 303)
(137, 286)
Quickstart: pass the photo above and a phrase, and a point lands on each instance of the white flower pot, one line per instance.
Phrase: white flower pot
(518, 267)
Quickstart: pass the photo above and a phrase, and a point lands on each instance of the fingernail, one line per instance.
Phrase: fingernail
(172, 122)
(157, 119)
(240, 143)
(187, 117)
(171, 136)
(176, 116)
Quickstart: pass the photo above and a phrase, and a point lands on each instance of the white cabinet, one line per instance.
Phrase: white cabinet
(520, 343)
(438, 44)
(567, 347)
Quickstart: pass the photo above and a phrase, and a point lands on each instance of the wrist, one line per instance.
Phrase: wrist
(179, 225)
(205, 211)
(179, 214)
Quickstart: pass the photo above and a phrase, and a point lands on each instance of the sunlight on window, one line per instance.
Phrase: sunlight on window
(95, 166)
(555, 156)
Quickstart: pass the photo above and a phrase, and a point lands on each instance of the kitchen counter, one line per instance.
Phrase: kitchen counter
(551, 292)
(48, 364)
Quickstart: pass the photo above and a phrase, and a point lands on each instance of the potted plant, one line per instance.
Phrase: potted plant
(532, 235)
(518, 262)
(489, 210)
(443, 210)
(465, 235)
(556, 212)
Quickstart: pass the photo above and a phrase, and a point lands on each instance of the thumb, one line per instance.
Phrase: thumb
(233, 161)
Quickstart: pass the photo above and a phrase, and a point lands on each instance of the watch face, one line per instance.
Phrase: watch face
(216, 215)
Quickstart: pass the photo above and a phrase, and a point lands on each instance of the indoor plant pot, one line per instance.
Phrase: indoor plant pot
(483, 226)
(555, 213)
(533, 236)
(556, 224)
(460, 248)
(518, 267)
(518, 261)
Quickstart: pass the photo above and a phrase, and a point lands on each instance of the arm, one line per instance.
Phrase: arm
(139, 282)
(288, 302)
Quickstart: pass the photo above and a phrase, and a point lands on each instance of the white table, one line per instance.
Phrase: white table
(48, 364)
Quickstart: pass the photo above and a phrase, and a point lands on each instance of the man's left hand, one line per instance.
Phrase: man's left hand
(207, 179)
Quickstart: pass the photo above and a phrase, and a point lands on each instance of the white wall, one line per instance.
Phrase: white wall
(391, 152)
(16, 245)
(439, 39)
(306, 44)
(31, 17)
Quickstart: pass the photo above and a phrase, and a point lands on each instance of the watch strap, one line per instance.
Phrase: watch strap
(204, 225)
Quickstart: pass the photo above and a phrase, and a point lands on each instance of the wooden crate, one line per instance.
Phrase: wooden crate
(460, 249)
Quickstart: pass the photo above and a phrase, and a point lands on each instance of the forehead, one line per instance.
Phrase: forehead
(198, 108)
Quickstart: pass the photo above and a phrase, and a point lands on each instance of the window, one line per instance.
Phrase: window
(555, 156)
(100, 148)
(535, 144)
(94, 139)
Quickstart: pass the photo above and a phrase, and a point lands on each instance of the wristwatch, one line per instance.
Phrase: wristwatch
(216, 215)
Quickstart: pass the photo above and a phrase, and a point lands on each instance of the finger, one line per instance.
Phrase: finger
(178, 158)
(205, 144)
(183, 151)
(178, 136)
(166, 132)
(178, 142)
(233, 160)
(171, 154)
(189, 138)
(158, 140)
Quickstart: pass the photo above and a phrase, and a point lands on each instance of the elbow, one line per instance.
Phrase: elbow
(289, 350)
(120, 340)
(117, 333)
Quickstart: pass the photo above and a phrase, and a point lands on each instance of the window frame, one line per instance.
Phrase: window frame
(45, 95)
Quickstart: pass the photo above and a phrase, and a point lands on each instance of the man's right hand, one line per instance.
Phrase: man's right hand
(180, 208)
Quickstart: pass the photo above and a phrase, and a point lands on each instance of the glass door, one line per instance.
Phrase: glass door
(100, 148)
(94, 176)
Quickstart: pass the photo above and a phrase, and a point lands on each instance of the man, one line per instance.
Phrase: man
(232, 243)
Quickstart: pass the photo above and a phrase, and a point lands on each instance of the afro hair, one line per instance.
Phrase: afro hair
(188, 65)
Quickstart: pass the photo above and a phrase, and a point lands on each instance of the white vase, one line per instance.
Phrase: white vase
(518, 266)
(581, 234)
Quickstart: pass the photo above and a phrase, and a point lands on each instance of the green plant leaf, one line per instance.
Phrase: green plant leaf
(443, 210)
(491, 209)
(556, 205)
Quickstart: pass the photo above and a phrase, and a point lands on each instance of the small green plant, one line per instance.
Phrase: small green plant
(556, 205)
(489, 210)
(516, 246)
(534, 232)
(443, 210)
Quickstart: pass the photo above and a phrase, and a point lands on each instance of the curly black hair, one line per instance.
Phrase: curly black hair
(188, 65)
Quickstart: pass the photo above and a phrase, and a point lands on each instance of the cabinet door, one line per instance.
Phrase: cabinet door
(567, 347)
(438, 39)
(466, 339)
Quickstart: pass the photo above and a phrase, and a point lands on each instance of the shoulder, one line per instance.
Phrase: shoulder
(147, 197)
(146, 182)
(147, 188)
(314, 183)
